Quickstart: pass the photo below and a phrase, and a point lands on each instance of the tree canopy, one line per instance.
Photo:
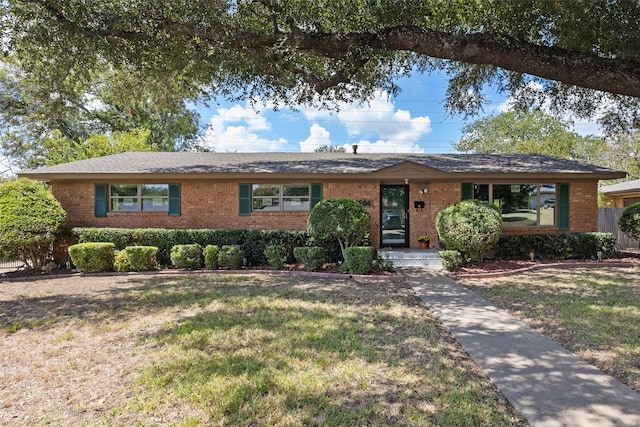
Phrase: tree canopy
(573, 55)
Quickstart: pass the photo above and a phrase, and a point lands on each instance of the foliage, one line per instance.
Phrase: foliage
(252, 242)
(570, 55)
(359, 260)
(107, 103)
(276, 256)
(93, 257)
(311, 256)
(136, 258)
(470, 226)
(30, 218)
(187, 256)
(629, 221)
(555, 245)
(451, 260)
(423, 238)
(330, 149)
(341, 219)
(210, 253)
(230, 257)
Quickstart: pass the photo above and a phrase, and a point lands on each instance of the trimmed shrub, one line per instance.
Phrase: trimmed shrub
(311, 256)
(230, 257)
(30, 219)
(136, 258)
(384, 264)
(471, 227)
(93, 257)
(210, 253)
(451, 260)
(629, 221)
(359, 260)
(187, 256)
(556, 245)
(276, 256)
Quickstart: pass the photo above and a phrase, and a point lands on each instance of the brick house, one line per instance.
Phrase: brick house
(622, 194)
(402, 192)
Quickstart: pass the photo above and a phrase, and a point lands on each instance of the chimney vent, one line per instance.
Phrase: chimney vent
(355, 148)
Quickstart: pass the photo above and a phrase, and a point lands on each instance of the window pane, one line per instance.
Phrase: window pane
(124, 204)
(296, 204)
(155, 190)
(266, 204)
(548, 204)
(155, 204)
(124, 190)
(295, 190)
(266, 190)
(515, 203)
(481, 192)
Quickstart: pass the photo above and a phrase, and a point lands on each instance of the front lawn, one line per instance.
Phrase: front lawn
(594, 312)
(200, 349)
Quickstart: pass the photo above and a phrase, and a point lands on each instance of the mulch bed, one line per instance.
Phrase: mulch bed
(498, 267)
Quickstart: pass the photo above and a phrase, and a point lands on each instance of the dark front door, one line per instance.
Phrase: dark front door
(394, 220)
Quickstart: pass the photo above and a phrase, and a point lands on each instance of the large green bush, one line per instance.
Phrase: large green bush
(471, 227)
(343, 220)
(629, 222)
(30, 219)
(93, 257)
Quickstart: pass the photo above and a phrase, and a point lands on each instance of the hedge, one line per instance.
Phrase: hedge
(252, 242)
(555, 246)
(93, 257)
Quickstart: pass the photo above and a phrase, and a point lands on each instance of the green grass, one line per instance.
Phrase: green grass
(265, 351)
(593, 312)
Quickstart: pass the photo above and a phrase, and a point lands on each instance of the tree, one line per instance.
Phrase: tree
(523, 132)
(330, 149)
(30, 217)
(104, 102)
(629, 221)
(341, 219)
(471, 227)
(576, 54)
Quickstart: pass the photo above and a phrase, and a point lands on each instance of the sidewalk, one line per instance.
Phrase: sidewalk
(546, 383)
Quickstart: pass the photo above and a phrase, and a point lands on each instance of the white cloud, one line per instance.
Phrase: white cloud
(318, 136)
(237, 129)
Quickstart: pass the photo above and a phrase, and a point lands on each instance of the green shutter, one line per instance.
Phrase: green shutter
(174, 199)
(316, 194)
(245, 199)
(100, 200)
(467, 191)
(563, 206)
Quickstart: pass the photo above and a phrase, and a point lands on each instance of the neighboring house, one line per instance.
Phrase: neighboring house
(402, 192)
(622, 194)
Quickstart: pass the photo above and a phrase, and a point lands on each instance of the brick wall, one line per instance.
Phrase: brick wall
(216, 205)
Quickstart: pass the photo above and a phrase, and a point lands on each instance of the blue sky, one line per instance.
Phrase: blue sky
(414, 121)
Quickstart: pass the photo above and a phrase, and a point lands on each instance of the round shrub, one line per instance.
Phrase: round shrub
(359, 260)
(93, 257)
(629, 222)
(276, 256)
(451, 260)
(187, 256)
(312, 257)
(210, 253)
(471, 227)
(30, 218)
(136, 258)
(230, 257)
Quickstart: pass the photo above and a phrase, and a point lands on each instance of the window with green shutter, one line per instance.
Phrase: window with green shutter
(100, 200)
(563, 207)
(174, 199)
(245, 199)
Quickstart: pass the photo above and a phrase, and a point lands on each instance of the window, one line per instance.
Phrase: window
(628, 201)
(522, 205)
(139, 197)
(280, 197)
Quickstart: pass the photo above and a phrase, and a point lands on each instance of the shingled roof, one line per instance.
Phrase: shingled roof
(310, 163)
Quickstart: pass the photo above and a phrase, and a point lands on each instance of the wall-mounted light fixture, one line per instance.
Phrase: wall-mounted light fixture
(423, 191)
(406, 181)
(418, 205)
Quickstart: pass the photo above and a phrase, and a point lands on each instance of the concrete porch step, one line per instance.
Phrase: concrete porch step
(411, 257)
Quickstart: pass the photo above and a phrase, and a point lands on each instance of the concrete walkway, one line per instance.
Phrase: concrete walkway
(546, 383)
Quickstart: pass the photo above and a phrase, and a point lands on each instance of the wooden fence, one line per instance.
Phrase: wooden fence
(608, 223)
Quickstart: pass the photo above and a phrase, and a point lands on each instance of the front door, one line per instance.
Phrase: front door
(394, 220)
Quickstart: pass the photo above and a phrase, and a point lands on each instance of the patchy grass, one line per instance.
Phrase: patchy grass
(594, 312)
(196, 349)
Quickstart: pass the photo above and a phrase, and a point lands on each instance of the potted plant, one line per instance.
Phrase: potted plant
(424, 241)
